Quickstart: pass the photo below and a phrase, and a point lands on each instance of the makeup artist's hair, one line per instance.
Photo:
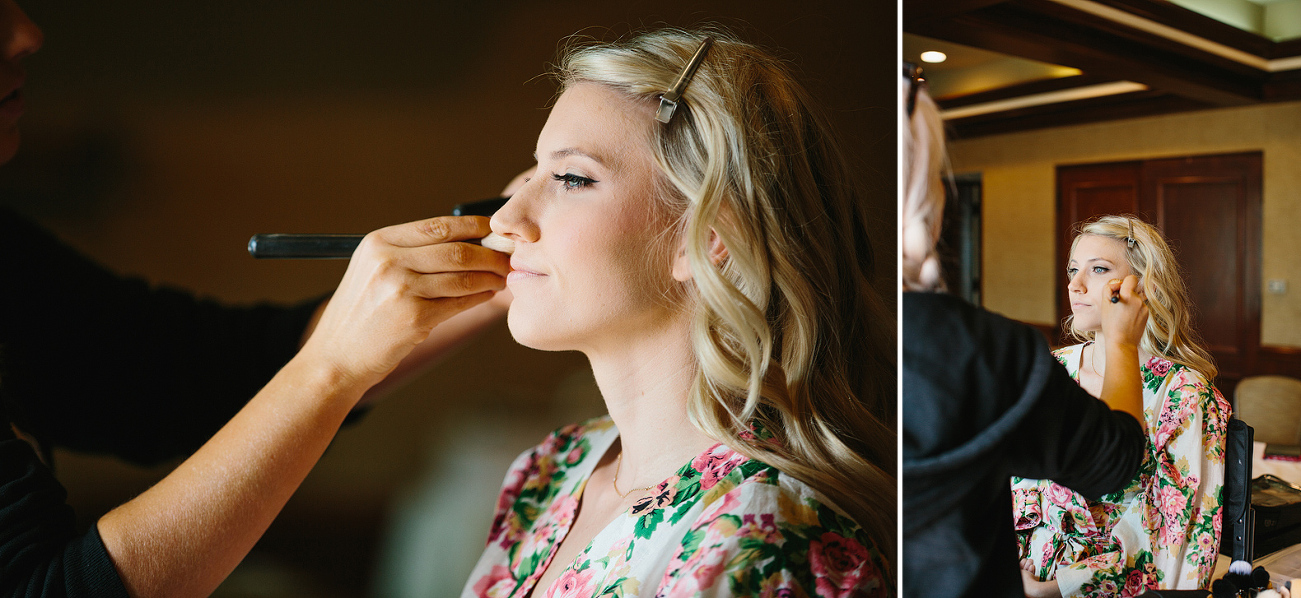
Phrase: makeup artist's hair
(788, 333)
(1169, 331)
(921, 143)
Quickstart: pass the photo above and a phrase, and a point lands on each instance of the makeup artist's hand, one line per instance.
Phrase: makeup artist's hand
(401, 282)
(1124, 320)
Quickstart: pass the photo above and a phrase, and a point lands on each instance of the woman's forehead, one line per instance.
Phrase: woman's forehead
(1090, 247)
(595, 120)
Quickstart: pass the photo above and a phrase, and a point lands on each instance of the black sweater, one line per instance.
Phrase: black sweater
(98, 363)
(984, 400)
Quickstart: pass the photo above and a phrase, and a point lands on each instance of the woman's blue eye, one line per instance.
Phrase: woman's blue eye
(1100, 270)
(573, 181)
(1070, 272)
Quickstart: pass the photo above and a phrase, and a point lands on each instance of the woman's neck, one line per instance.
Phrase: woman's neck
(1098, 359)
(646, 383)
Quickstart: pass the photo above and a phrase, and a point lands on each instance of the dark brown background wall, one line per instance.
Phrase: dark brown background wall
(160, 135)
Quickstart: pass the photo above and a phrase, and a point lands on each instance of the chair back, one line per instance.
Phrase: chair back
(1272, 406)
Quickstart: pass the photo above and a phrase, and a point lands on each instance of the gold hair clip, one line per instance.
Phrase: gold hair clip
(1129, 239)
(669, 100)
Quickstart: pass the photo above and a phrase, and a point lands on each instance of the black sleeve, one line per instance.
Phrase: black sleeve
(40, 552)
(96, 362)
(1074, 439)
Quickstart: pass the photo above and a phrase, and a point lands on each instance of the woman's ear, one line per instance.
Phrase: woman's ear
(682, 266)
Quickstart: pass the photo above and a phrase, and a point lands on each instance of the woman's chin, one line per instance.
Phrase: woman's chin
(531, 332)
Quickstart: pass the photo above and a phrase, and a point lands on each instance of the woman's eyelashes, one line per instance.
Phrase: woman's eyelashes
(573, 182)
(1070, 272)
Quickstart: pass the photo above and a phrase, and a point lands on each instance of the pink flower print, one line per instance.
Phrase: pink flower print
(780, 585)
(561, 511)
(1150, 578)
(551, 444)
(663, 497)
(1205, 543)
(572, 584)
(1027, 514)
(1160, 367)
(702, 570)
(709, 570)
(496, 584)
(727, 504)
(575, 455)
(838, 563)
(715, 464)
(510, 531)
(1172, 503)
(1133, 583)
(763, 529)
(1059, 495)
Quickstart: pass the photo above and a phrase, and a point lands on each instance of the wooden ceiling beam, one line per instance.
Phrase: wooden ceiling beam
(1134, 105)
(1037, 30)
(920, 11)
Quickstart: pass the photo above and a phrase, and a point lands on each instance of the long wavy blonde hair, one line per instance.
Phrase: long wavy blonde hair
(788, 332)
(1169, 331)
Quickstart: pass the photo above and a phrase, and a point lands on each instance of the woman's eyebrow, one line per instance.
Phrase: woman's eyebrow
(573, 151)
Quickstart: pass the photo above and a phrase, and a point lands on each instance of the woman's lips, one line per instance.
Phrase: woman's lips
(520, 271)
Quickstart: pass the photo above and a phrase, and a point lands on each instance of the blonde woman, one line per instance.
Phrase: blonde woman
(1163, 530)
(692, 229)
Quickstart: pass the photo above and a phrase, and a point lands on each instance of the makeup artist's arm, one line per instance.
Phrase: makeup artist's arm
(1123, 323)
(448, 336)
(183, 536)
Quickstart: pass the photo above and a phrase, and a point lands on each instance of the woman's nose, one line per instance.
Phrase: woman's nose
(514, 220)
(1076, 283)
(21, 36)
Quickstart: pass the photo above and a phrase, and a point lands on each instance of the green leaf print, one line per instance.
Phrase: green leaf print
(646, 524)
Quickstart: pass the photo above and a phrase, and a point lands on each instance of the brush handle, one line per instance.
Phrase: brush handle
(303, 247)
(287, 246)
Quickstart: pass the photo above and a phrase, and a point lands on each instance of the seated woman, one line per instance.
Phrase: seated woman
(1163, 530)
(709, 255)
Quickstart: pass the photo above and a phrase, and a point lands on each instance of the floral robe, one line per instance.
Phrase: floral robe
(1163, 530)
(723, 525)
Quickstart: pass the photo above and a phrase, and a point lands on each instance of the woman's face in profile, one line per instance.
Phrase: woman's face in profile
(586, 270)
(1095, 260)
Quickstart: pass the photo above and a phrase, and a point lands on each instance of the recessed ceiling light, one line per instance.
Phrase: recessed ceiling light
(933, 56)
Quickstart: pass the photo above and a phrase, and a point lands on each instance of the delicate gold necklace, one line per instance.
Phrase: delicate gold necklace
(1093, 359)
(615, 482)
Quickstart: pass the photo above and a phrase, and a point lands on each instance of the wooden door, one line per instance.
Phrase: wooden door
(1083, 192)
(1209, 209)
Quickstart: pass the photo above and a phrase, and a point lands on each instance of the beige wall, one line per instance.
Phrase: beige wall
(1020, 198)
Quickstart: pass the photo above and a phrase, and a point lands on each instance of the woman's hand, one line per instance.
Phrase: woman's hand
(401, 282)
(1035, 588)
(1124, 320)
(1039, 589)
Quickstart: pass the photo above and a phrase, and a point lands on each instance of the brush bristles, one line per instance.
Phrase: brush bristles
(497, 242)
